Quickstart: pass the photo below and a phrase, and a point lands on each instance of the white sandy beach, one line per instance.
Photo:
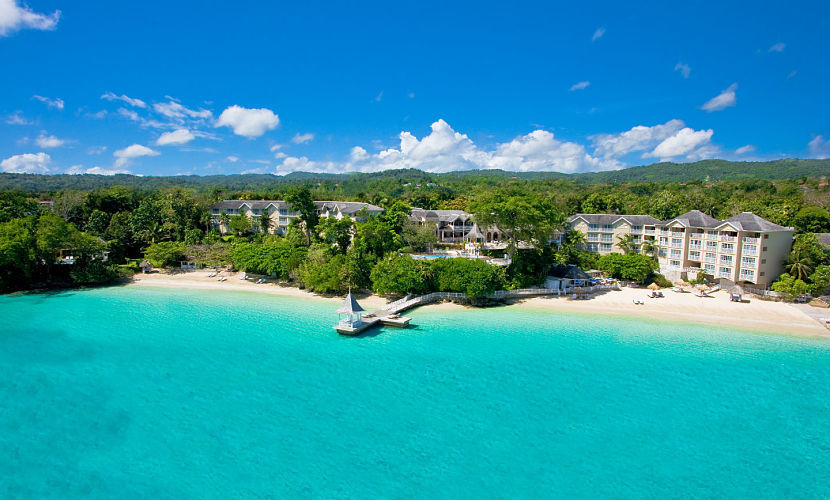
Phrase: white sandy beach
(755, 315)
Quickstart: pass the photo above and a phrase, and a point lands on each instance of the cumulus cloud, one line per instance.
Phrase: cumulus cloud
(579, 86)
(56, 103)
(445, 150)
(749, 148)
(17, 118)
(598, 34)
(232, 159)
(684, 142)
(49, 141)
(778, 47)
(684, 69)
(247, 122)
(29, 163)
(138, 103)
(819, 147)
(179, 136)
(123, 156)
(79, 170)
(302, 138)
(723, 100)
(639, 138)
(14, 17)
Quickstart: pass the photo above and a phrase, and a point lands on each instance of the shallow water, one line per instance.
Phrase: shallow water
(132, 392)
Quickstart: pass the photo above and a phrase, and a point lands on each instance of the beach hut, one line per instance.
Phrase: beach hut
(350, 312)
(146, 266)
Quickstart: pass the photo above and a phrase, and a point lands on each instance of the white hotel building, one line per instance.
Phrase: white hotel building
(744, 248)
(281, 213)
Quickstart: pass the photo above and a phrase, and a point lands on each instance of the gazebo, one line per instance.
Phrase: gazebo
(351, 310)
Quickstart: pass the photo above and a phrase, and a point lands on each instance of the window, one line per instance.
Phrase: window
(725, 272)
(215, 211)
(712, 234)
(727, 247)
(694, 255)
(676, 253)
(605, 247)
(766, 236)
(763, 261)
(676, 242)
(607, 237)
(761, 273)
(592, 247)
(675, 263)
(748, 261)
(607, 227)
(636, 229)
(712, 246)
(709, 268)
(747, 274)
(283, 211)
(662, 252)
(710, 257)
(765, 249)
(664, 241)
(593, 236)
(593, 227)
(750, 249)
(726, 259)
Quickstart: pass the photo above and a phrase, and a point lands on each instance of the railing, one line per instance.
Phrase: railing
(750, 240)
(695, 247)
(750, 251)
(709, 259)
(649, 231)
(726, 237)
(725, 249)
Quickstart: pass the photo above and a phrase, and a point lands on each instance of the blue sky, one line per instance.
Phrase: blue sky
(207, 87)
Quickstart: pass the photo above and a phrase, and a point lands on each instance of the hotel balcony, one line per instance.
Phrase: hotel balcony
(695, 247)
(726, 237)
(727, 250)
(750, 251)
(709, 259)
(752, 241)
(649, 231)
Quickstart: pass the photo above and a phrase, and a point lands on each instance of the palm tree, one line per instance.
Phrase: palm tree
(649, 247)
(224, 220)
(627, 244)
(799, 267)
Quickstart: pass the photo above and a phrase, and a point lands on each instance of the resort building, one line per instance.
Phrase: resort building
(744, 248)
(281, 213)
(603, 232)
(451, 226)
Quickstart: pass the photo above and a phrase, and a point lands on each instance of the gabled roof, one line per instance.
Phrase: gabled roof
(634, 220)
(747, 221)
(695, 218)
(346, 207)
(350, 306)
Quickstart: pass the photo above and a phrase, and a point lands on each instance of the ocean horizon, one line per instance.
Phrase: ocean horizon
(183, 393)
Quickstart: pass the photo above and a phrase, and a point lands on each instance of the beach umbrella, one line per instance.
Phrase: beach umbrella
(654, 286)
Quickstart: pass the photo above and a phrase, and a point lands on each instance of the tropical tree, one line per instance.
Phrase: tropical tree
(520, 215)
(627, 244)
(800, 266)
(301, 201)
(649, 247)
(265, 222)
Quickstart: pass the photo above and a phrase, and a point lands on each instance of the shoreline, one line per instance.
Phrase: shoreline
(755, 316)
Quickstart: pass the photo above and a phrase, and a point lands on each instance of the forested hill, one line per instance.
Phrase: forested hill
(705, 170)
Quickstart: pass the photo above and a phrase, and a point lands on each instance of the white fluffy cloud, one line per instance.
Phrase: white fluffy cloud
(79, 169)
(179, 136)
(819, 147)
(723, 100)
(56, 103)
(445, 150)
(138, 103)
(302, 138)
(49, 141)
(122, 156)
(684, 69)
(749, 148)
(14, 17)
(598, 34)
(579, 85)
(686, 141)
(248, 122)
(29, 163)
(639, 138)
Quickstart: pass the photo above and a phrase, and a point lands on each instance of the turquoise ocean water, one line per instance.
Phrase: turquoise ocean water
(142, 392)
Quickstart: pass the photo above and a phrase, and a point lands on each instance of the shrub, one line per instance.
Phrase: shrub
(400, 274)
(165, 254)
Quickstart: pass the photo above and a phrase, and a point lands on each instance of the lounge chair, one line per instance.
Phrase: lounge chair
(243, 277)
(702, 293)
(638, 302)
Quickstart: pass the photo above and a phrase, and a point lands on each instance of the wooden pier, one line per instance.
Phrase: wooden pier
(391, 314)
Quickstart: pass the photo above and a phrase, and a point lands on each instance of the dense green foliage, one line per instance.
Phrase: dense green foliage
(166, 219)
(630, 266)
(808, 268)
